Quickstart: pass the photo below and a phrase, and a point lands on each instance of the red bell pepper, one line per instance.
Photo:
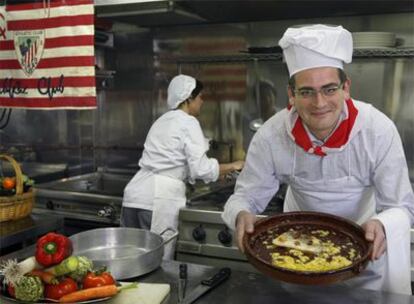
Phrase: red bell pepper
(52, 248)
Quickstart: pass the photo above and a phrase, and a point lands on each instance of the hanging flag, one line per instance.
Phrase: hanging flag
(47, 55)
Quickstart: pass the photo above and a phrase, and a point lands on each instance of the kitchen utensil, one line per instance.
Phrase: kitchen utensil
(182, 282)
(303, 243)
(126, 252)
(206, 285)
(266, 103)
(256, 123)
(260, 257)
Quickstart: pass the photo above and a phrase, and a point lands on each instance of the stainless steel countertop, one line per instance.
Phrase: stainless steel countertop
(249, 288)
(28, 228)
(40, 172)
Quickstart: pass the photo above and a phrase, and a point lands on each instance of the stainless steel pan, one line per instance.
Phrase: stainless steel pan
(126, 252)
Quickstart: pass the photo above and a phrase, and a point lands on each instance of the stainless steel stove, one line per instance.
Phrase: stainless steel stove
(85, 201)
(204, 238)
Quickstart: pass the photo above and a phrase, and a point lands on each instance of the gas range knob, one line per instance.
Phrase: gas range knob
(225, 237)
(107, 211)
(50, 205)
(199, 234)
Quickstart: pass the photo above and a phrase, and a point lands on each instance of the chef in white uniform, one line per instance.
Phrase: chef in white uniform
(174, 153)
(338, 155)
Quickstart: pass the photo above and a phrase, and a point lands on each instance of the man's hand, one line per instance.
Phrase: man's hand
(244, 223)
(374, 232)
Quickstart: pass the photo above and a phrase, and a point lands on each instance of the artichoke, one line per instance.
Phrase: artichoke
(85, 265)
(29, 289)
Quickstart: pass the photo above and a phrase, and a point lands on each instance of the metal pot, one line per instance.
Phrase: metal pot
(341, 226)
(126, 252)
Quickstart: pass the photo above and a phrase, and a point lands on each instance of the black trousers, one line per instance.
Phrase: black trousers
(136, 218)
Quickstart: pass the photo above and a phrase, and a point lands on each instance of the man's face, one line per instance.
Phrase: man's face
(319, 112)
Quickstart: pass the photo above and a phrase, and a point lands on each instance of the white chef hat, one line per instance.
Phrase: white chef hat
(316, 46)
(180, 89)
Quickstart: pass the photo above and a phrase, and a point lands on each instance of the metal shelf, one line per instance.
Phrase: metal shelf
(236, 58)
(246, 57)
(385, 52)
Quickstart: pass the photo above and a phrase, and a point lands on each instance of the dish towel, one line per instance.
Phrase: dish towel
(398, 270)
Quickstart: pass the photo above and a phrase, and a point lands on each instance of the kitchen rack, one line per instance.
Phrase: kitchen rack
(383, 53)
(104, 73)
(246, 57)
(104, 78)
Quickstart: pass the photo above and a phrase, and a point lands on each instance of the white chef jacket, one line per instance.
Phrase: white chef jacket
(372, 165)
(175, 147)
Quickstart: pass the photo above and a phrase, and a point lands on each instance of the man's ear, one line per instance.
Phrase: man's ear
(347, 88)
(290, 95)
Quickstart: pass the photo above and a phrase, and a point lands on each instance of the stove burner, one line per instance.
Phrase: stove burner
(215, 199)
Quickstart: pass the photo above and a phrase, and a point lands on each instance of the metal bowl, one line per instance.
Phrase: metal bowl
(284, 221)
(125, 252)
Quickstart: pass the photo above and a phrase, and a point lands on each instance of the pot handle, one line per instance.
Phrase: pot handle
(168, 238)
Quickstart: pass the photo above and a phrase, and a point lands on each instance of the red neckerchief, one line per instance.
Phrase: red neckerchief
(338, 138)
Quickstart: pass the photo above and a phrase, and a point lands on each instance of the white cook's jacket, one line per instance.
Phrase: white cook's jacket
(174, 152)
(367, 178)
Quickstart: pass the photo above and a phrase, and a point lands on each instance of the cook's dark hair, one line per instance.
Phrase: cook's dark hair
(342, 78)
(194, 93)
(199, 86)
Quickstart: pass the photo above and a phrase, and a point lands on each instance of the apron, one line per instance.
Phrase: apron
(169, 197)
(347, 197)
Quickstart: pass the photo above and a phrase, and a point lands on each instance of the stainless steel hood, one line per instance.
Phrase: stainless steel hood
(154, 13)
(146, 12)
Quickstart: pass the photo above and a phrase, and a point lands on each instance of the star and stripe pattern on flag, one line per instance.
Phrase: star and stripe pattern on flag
(47, 55)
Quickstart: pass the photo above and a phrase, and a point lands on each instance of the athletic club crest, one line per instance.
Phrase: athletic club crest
(29, 49)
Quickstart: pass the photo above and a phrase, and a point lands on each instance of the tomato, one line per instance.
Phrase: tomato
(97, 279)
(67, 285)
(9, 183)
(10, 290)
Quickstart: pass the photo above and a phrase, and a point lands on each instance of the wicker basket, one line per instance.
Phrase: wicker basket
(19, 205)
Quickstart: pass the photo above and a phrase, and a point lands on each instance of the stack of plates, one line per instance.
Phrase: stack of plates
(373, 40)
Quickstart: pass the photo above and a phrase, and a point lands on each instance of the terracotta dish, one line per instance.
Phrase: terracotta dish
(341, 230)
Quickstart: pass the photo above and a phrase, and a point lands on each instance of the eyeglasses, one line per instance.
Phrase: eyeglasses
(325, 91)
